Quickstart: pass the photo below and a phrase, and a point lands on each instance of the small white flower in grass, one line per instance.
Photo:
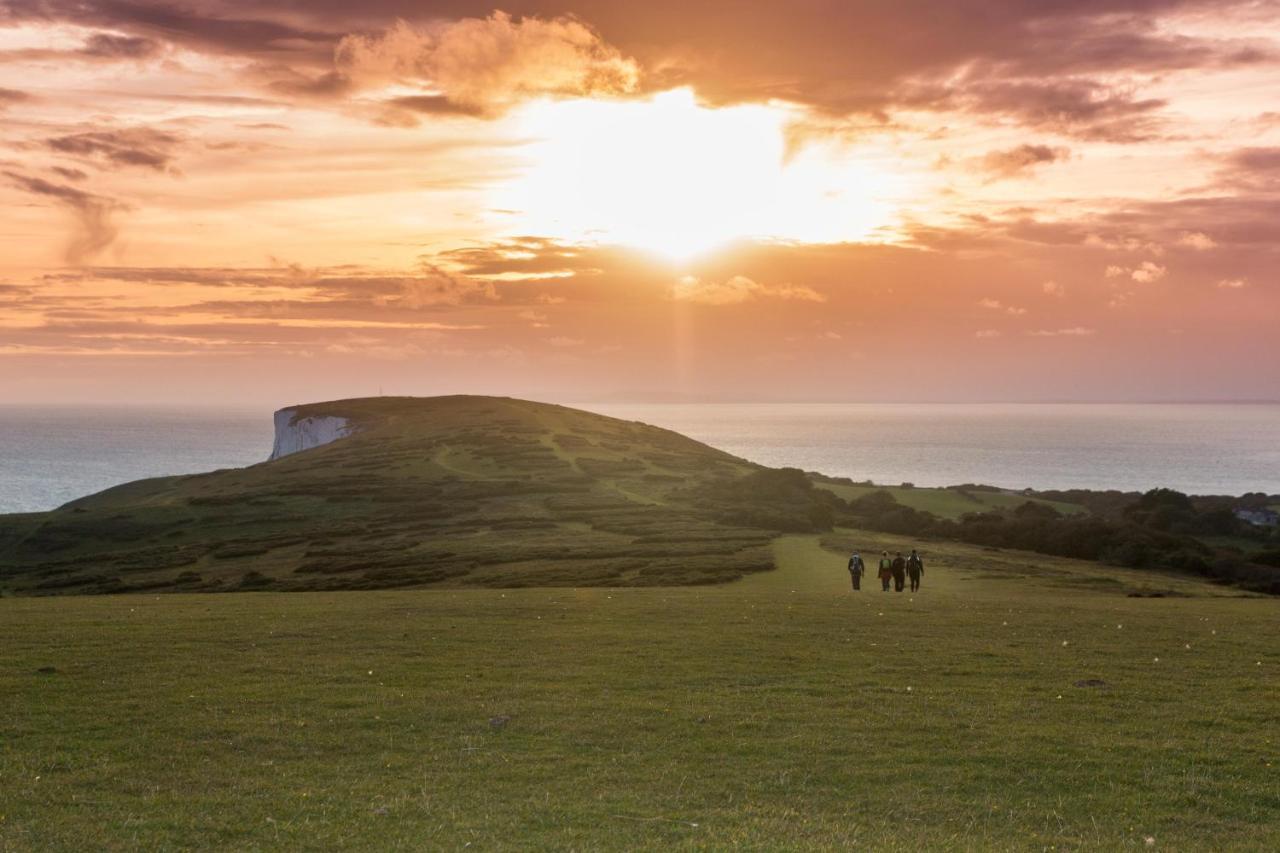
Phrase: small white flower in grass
(1065, 643)
(1149, 841)
(371, 672)
(1059, 695)
(908, 689)
(1187, 646)
(1214, 633)
(1118, 627)
(1004, 623)
(1155, 660)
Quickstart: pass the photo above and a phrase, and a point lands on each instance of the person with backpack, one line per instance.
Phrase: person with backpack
(899, 573)
(886, 570)
(856, 568)
(915, 568)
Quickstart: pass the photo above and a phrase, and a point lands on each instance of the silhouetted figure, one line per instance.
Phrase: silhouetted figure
(856, 568)
(899, 573)
(886, 570)
(915, 569)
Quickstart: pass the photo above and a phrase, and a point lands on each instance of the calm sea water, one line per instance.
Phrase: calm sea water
(49, 456)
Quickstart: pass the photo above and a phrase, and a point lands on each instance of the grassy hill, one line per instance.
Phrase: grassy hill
(475, 491)
(951, 502)
(1018, 702)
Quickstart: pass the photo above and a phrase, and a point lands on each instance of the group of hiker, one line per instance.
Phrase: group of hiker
(897, 570)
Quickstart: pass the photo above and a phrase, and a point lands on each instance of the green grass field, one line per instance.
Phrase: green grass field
(1018, 702)
(951, 503)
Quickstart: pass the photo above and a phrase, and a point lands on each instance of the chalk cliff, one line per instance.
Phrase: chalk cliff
(295, 434)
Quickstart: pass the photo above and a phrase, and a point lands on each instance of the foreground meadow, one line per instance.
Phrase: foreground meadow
(1017, 702)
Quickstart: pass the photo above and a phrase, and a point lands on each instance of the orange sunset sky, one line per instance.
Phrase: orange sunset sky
(266, 202)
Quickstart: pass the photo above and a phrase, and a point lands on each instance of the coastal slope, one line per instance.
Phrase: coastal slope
(393, 492)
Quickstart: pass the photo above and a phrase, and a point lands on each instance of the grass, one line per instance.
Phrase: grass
(952, 502)
(780, 711)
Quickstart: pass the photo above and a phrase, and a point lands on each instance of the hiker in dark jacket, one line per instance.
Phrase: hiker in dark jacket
(856, 568)
(915, 569)
(886, 571)
(899, 573)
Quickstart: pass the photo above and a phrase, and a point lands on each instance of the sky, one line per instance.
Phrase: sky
(232, 202)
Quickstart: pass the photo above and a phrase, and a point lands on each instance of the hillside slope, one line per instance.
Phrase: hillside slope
(448, 490)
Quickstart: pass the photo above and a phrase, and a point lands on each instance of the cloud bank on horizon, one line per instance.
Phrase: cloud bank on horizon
(985, 199)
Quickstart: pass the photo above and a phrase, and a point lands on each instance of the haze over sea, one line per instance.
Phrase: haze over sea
(50, 455)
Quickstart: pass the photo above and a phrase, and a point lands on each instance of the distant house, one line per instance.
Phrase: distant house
(1259, 517)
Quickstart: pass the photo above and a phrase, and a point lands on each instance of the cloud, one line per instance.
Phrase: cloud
(1052, 288)
(69, 173)
(98, 47)
(1232, 284)
(1197, 240)
(987, 333)
(490, 63)
(142, 147)
(1073, 332)
(108, 46)
(210, 26)
(94, 229)
(997, 305)
(1020, 160)
(1148, 272)
(1256, 167)
(737, 290)
(1257, 159)
(9, 97)
(1145, 273)
(433, 105)
(437, 287)
(1079, 107)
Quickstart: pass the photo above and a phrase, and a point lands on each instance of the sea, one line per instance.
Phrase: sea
(53, 454)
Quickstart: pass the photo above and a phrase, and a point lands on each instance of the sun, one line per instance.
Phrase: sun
(675, 177)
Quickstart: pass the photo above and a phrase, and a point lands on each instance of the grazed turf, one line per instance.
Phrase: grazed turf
(951, 503)
(782, 711)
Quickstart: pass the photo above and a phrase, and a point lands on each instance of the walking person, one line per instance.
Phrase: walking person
(886, 570)
(915, 569)
(899, 573)
(856, 568)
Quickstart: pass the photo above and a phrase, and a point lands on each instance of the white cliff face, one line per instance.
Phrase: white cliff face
(294, 435)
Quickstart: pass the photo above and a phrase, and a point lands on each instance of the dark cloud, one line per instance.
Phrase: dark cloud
(1040, 62)
(338, 288)
(1250, 171)
(1013, 162)
(290, 81)
(1072, 107)
(69, 174)
(94, 228)
(139, 146)
(410, 110)
(237, 28)
(8, 97)
(1256, 159)
(107, 46)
